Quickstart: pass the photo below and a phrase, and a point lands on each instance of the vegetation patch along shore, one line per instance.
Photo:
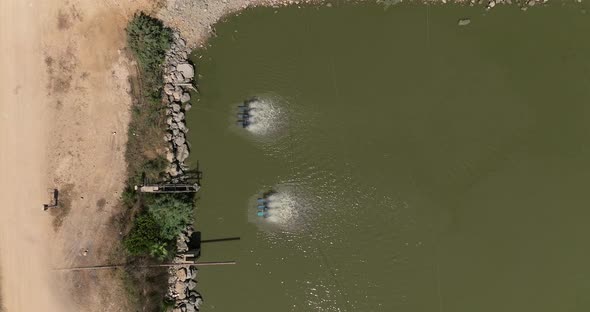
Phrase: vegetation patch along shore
(155, 220)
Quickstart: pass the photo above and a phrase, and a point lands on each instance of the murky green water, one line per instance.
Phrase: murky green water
(421, 166)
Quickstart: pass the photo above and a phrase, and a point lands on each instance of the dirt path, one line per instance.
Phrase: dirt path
(23, 228)
(63, 123)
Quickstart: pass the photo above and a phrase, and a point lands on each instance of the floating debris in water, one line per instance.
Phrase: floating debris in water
(464, 22)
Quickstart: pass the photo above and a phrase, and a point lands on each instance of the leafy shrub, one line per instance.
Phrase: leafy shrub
(172, 214)
(154, 230)
(143, 236)
(149, 39)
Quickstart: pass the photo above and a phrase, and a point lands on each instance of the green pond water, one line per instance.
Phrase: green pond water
(418, 165)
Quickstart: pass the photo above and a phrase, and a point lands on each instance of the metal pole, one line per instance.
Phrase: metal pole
(116, 266)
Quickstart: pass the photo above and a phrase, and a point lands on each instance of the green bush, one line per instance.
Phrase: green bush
(149, 40)
(172, 214)
(156, 228)
(143, 236)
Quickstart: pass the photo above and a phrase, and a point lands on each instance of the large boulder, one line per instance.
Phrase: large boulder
(180, 289)
(181, 246)
(191, 308)
(193, 295)
(185, 97)
(182, 127)
(178, 117)
(178, 77)
(179, 140)
(193, 271)
(192, 284)
(175, 107)
(181, 274)
(168, 89)
(187, 70)
(187, 107)
(182, 152)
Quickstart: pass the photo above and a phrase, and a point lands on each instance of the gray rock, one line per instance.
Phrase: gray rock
(191, 308)
(198, 303)
(187, 107)
(178, 117)
(464, 22)
(178, 77)
(175, 107)
(181, 246)
(175, 132)
(180, 289)
(179, 140)
(182, 127)
(192, 284)
(188, 277)
(177, 95)
(185, 97)
(168, 89)
(181, 274)
(193, 271)
(182, 154)
(187, 70)
(169, 120)
(174, 125)
(168, 137)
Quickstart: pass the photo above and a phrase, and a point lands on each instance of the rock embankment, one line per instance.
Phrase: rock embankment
(178, 81)
(182, 283)
(178, 78)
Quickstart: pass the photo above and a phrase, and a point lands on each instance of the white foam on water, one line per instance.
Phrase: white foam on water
(285, 213)
(267, 116)
(283, 209)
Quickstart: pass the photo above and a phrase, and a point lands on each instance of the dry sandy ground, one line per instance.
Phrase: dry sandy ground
(64, 111)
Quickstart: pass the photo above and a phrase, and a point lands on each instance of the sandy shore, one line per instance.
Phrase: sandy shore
(23, 135)
(64, 112)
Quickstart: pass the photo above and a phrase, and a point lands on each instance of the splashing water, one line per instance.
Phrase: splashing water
(266, 116)
(285, 211)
